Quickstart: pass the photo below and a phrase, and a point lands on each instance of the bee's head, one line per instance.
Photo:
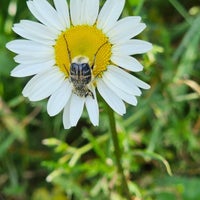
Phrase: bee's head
(80, 60)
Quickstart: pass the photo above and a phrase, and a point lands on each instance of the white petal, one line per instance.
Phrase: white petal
(32, 59)
(29, 47)
(129, 98)
(84, 11)
(122, 79)
(63, 11)
(66, 116)
(127, 62)
(76, 108)
(59, 99)
(45, 13)
(92, 108)
(35, 31)
(111, 98)
(131, 80)
(140, 83)
(125, 29)
(75, 11)
(109, 14)
(49, 32)
(29, 70)
(132, 47)
(89, 11)
(44, 84)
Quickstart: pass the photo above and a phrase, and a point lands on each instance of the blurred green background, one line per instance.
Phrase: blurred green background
(39, 160)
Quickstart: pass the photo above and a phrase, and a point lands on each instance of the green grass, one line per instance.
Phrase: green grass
(41, 160)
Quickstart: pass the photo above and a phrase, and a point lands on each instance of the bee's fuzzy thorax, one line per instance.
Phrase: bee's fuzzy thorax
(80, 59)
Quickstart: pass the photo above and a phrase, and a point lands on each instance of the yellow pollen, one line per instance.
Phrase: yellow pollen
(86, 41)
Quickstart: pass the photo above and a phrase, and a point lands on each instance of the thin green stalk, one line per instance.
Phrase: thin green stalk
(139, 7)
(118, 153)
(178, 6)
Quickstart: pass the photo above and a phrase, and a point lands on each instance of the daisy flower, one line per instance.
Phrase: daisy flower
(75, 49)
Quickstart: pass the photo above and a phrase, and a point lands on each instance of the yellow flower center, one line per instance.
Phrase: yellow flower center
(83, 40)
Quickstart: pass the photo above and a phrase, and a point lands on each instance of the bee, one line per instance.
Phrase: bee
(80, 73)
(80, 76)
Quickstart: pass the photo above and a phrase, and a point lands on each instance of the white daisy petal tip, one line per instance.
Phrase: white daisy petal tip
(146, 86)
(150, 46)
(8, 45)
(14, 73)
(66, 124)
(11, 45)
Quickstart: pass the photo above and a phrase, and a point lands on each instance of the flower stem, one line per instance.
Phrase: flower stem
(118, 153)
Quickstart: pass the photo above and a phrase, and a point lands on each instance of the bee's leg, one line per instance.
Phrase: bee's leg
(89, 92)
